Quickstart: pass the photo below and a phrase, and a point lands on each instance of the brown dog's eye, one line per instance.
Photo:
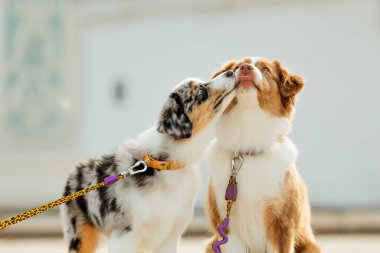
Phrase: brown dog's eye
(266, 70)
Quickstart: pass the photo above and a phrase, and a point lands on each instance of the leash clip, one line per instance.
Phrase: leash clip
(135, 169)
(236, 163)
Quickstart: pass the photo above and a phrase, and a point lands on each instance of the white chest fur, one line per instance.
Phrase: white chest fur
(165, 209)
(259, 179)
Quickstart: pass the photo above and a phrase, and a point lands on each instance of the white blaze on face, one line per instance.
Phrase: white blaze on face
(258, 75)
(248, 97)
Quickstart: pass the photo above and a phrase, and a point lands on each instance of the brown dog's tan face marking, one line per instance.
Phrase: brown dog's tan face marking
(276, 87)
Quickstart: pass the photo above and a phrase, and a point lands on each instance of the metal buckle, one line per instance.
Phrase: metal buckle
(134, 169)
(236, 163)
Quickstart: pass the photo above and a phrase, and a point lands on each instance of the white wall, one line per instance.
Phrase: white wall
(334, 44)
(37, 151)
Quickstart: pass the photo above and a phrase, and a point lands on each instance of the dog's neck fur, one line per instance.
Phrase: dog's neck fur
(189, 151)
(248, 128)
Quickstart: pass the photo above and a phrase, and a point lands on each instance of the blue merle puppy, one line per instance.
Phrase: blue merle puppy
(148, 212)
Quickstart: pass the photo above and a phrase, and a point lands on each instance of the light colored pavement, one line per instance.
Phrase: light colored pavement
(329, 243)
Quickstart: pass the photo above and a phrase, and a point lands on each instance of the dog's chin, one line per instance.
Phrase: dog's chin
(246, 85)
(247, 95)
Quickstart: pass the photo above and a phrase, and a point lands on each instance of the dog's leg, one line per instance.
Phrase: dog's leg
(307, 245)
(280, 236)
(311, 248)
(88, 237)
(169, 246)
(279, 221)
(209, 244)
(85, 241)
(234, 245)
(124, 243)
(80, 234)
(281, 247)
(171, 241)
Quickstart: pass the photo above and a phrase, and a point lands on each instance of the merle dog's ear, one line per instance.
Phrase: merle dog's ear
(173, 119)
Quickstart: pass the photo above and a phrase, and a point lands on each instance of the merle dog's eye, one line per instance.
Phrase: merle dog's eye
(201, 94)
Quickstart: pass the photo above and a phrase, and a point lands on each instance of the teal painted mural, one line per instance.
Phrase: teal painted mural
(34, 85)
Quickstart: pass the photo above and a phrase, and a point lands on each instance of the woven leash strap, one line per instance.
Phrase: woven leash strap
(26, 215)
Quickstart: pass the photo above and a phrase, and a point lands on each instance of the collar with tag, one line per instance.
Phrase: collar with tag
(249, 153)
(162, 165)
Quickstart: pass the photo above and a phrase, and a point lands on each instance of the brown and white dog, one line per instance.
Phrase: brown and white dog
(272, 211)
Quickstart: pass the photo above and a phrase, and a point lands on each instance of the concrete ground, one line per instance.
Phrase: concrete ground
(330, 244)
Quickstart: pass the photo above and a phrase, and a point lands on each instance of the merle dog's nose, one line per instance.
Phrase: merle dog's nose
(229, 73)
(245, 69)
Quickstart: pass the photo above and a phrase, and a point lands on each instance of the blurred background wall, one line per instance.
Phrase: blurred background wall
(78, 77)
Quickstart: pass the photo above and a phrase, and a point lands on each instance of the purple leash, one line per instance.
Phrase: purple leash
(231, 196)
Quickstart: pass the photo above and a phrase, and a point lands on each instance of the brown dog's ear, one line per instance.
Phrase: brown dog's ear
(290, 84)
(227, 66)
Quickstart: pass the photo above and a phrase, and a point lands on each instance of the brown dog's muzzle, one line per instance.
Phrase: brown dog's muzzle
(245, 76)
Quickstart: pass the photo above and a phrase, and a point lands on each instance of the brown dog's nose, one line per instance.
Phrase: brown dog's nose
(245, 69)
